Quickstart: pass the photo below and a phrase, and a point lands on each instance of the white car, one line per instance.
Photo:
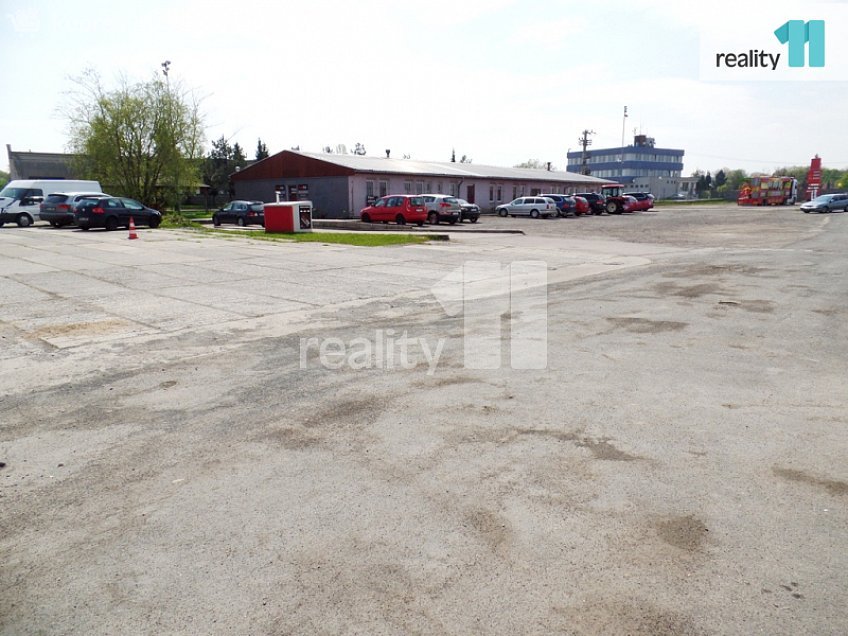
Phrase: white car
(529, 206)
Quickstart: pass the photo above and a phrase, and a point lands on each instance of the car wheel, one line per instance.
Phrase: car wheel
(216, 221)
(805, 211)
(612, 207)
(241, 222)
(366, 218)
(112, 223)
(452, 221)
(433, 218)
(534, 214)
(84, 228)
(473, 219)
(24, 220)
(400, 220)
(154, 222)
(2, 223)
(502, 213)
(419, 223)
(54, 223)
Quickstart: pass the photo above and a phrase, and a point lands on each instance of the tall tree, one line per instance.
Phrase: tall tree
(720, 179)
(4, 179)
(143, 140)
(261, 150)
(220, 163)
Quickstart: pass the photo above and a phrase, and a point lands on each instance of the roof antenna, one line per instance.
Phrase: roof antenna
(388, 152)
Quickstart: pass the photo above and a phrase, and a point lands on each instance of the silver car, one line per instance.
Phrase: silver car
(442, 207)
(529, 206)
(826, 203)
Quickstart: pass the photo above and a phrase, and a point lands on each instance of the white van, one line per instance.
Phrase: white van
(20, 199)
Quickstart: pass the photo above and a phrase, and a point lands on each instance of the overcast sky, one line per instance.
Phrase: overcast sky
(501, 81)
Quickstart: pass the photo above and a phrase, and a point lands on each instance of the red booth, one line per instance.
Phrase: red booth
(288, 216)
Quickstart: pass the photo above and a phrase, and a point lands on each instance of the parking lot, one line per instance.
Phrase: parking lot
(175, 463)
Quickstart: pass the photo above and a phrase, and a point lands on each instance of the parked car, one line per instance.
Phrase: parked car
(470, 211)
(241, 213)
(826, 203)
(58, 208)
(629, 204)
(114, 212)
(400, 208)
(597, 203)
(581, 205)
(529, 206)
(566, 205)
(646, 200)
(21, 199)
(442, 207)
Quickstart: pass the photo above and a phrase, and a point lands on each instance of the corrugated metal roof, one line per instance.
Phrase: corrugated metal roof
(450, 169)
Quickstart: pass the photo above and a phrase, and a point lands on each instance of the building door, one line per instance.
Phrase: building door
(469, 193)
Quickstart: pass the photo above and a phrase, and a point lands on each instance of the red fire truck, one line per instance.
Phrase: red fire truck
(769, 191)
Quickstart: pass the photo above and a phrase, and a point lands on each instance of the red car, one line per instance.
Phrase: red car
(400, 208)
(646, 201)
(582, 206)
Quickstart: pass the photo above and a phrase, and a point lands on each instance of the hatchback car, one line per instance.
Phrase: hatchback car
(597, 202)
(826, 203)
(470, 211)
(241, 213)
(400, 208)
(114, 212)
(58, 208)
(645, 200)
(529, 206)
(566, 205)
(581, 205)
(442, 207)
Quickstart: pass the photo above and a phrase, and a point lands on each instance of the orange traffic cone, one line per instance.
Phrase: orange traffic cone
(133, 234)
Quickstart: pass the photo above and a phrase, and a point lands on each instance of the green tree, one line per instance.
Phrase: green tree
(531, 163)
(720, 179)
(220, 163)
(736, 178)
(143, 140)
(4, 179)
(261, 150)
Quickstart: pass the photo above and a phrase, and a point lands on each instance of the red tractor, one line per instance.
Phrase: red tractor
(616, 201)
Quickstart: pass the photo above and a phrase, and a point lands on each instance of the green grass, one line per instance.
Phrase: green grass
(363, 239)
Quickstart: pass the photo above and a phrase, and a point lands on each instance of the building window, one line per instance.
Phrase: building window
(384, 188)
(419, 187)
(491, 193)
(514, 192)
(438, 188)
(407, 187)
(429, 186)
(454, 189)
(500, 193)
(369, 188)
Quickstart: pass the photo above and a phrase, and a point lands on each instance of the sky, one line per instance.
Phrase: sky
(501, 81)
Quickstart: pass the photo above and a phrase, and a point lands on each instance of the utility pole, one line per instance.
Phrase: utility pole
(623, 122)
(585, 142)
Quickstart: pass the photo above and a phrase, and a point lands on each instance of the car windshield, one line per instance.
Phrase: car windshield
(13, 193)
(416, 201)
(56, 198)
(451, 199)
(257, 207)
(824, 198)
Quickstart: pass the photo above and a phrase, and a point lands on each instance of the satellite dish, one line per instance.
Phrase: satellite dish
(341, 149)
